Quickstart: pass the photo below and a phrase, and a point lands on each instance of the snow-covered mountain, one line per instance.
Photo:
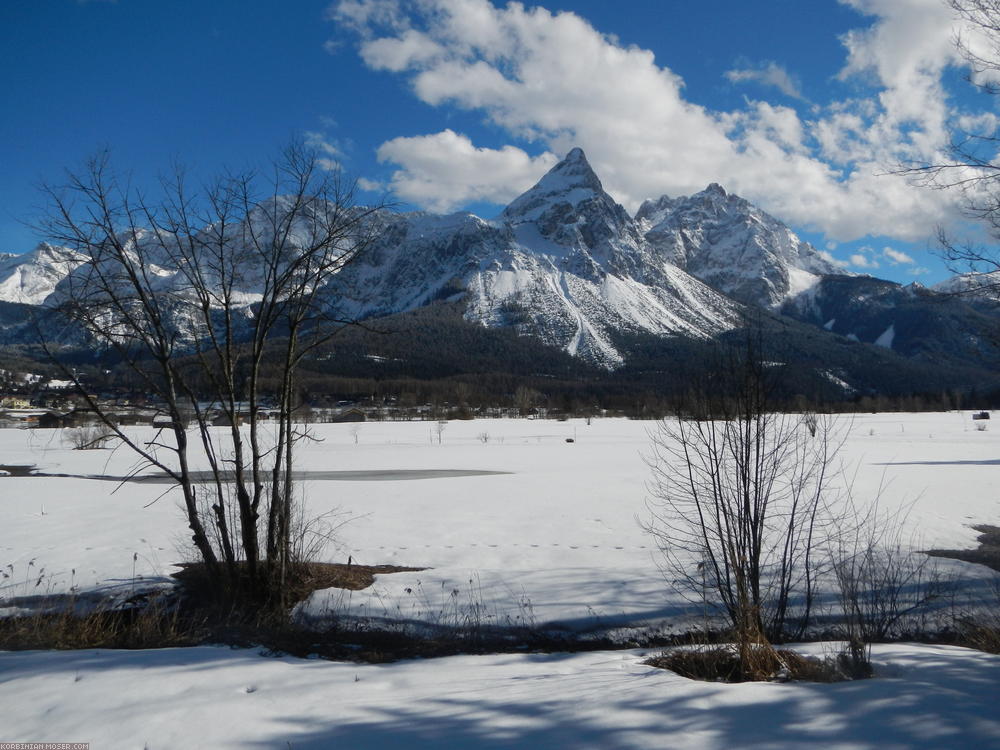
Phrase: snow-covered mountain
(30, 278)
(563, 262)
(974, 286)
(919, 323)
(733, 246)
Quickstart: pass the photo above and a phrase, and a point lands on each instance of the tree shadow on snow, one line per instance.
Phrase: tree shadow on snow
(930, 703)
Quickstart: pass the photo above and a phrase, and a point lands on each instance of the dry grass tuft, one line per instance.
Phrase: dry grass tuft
(152, 623)
(192, 613)
(723, 664)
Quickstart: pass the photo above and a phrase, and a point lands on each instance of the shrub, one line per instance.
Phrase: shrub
(89, 437)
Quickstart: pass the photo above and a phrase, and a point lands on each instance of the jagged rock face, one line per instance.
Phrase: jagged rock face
(733, 246)
(569, 207)
(30, 278)
(563, 262)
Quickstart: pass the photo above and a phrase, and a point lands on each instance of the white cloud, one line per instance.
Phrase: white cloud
(552, 79)
(897, 257)
(771, 74)
(829, 258)
(904, 53)
(864, 258)
(361, 15)
(329, 152)
(443, 171)
(918, 271)
(398, 53)
(371, 186)
(321, 143)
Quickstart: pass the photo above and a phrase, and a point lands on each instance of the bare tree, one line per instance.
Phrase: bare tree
(525, 400)
(738, 501)
(882, 578)
(89, 437)
(212, 298)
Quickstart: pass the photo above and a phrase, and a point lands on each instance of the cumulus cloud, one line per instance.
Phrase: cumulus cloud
(903, 53)
(321, 143)
(829, 258)
(897, 257)
(771, 74)
(445, 170)
(554, 80)
(863, 260)
(869, 258)
(361, 15)
(330, 153)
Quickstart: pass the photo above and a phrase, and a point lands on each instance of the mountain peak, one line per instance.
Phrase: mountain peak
(733, 246)
(570, 181)
(574, 170)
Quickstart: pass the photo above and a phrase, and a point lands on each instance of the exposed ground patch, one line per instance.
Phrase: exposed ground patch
(988, 552)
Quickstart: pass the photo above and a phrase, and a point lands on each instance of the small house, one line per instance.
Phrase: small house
(52, 420)
(349, 415)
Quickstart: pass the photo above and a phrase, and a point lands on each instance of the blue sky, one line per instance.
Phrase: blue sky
(800, 106)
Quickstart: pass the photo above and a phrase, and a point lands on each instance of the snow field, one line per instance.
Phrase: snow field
(555, 539)
(930, 697)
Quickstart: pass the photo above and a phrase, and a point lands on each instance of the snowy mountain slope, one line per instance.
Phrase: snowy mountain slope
(33, 277)
(973, 286)
(733, 246)
(566, 264)
(911, 320)
(30, 278)
(563, 262)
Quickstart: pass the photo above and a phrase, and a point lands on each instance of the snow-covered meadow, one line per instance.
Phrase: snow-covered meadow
(549, 535)
(928, 697)
(550, 530)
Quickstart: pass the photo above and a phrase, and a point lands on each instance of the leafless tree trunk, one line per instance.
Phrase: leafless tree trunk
(197, 292)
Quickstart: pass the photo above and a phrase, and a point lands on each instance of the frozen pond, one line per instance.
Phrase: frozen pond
(370, 475)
